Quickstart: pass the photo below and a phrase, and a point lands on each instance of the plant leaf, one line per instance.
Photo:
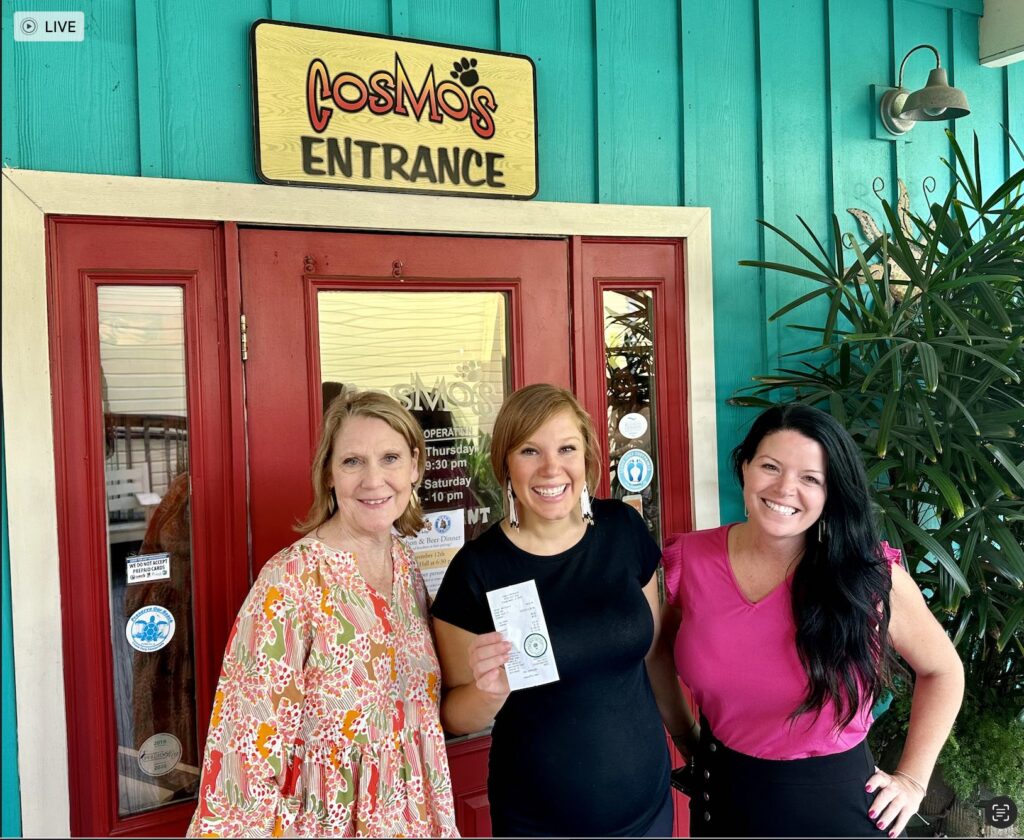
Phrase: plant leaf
(942, 482)
(929, 543)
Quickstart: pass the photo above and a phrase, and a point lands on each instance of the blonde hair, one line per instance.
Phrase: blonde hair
(374, 404)
(527, 410)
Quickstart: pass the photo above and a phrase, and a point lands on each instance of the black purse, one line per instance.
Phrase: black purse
(682, 779)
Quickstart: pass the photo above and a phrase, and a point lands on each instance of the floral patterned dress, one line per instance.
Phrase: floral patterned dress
(325, 720)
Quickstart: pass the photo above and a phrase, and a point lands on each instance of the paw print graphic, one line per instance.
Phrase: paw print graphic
(465, 71)
(469, 371)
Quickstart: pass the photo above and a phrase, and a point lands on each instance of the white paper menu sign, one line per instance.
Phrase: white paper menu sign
(518, 616)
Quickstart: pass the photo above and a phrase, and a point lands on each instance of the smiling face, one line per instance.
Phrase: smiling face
(548, 471)
(784, 484)
(372, 471)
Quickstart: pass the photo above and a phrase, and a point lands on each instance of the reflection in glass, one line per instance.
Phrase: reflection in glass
(443, 355)
(632, 423)
(142, 371)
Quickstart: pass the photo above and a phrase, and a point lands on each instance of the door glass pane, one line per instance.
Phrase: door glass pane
(632, 414)
(149, 536)
(444, 356)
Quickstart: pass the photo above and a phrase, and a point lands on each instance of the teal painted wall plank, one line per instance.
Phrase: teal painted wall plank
(10, 800)
(559, 38)
(360, 15)
(399, 18)
(795, 138)
(73, 104)
(206, 91)
(721, 109)
(857, 157)
(469, 23)
(10, 146)
(917, 23)
(986, 92)
(638, 102)
(974, 7)
(151, 104)
(1015, 111)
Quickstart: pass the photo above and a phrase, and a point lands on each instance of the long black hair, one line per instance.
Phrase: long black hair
(841, 586)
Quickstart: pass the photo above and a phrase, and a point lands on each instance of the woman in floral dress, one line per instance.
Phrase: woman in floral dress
(325, 720)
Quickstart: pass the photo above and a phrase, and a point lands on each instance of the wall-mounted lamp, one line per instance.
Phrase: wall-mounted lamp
(935, 101)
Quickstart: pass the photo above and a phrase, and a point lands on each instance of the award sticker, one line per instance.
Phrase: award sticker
(633, 425)
(159, 754)
(150, 628)
(635, 471)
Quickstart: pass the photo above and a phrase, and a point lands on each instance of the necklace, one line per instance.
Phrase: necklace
(377, 574)
(378, 578)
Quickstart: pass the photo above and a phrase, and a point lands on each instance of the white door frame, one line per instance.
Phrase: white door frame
(29, 196)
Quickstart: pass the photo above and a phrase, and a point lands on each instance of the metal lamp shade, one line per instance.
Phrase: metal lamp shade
(936, 100)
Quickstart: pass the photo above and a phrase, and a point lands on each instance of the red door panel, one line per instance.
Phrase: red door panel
(628, 264)
(282, 271)
(602, 265)
(84, 255)
(282, 274)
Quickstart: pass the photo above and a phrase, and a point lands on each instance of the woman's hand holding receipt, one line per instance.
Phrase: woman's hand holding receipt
(488, 654)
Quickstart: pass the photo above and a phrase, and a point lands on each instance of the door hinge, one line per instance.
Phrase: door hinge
(245, 340)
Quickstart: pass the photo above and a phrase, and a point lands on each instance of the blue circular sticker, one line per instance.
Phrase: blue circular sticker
(636, 470)
(150, 628)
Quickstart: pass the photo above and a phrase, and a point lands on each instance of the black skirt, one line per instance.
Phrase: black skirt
(737, 795)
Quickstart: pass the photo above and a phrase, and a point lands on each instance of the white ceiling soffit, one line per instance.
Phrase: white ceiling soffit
(1001, 33)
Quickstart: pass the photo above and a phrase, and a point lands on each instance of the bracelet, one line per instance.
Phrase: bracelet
(912, 780)
(694, 727)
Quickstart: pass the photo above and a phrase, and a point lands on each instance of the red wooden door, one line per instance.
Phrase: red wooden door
(134, 302)
(449, 325)
(629, 308)
(151, 514)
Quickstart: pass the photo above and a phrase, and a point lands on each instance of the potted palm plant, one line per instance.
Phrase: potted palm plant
(921, 356)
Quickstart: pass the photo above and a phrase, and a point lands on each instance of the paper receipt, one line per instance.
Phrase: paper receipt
(518, 616)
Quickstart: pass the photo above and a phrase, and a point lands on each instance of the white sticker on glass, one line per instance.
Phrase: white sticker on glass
(150, 628)
(159, 754)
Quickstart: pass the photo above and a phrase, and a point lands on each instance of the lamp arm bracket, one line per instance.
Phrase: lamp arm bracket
(938, 61)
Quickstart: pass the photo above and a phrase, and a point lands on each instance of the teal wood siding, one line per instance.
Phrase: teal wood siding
(11, 802)
(754, 108)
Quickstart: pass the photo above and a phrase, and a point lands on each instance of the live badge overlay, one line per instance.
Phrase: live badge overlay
(334, 108)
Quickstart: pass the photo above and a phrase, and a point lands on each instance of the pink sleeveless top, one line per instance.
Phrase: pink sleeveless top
(740, 660)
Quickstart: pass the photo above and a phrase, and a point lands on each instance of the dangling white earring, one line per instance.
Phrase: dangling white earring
(746, 513)
(822, 530)
(513, 515)
(585, 508)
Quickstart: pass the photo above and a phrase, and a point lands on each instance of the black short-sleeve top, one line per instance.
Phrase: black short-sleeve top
(585, 755)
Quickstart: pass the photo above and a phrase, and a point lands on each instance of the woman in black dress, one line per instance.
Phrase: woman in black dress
(585, 755)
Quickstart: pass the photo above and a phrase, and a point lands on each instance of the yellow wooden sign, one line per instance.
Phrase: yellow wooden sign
(346, 109)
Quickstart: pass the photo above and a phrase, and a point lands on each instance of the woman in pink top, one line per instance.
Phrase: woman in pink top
(786, 628)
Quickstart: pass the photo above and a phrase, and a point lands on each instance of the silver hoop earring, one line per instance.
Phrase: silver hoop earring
(332, 503)
(822, 530)
(513, 515)
(746, 513)
(585, 508)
